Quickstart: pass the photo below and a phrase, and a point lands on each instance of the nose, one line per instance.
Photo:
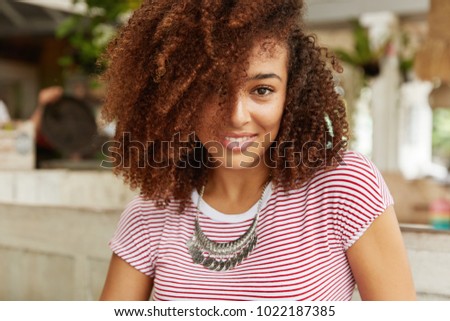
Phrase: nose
(241, 115)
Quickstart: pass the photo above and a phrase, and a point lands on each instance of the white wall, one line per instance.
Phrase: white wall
(59, 187)
(54, 253)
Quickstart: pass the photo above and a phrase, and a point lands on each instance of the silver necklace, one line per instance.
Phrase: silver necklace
(222, 256)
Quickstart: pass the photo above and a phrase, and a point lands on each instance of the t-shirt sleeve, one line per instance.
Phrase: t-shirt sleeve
(363, 196)
(132, 241)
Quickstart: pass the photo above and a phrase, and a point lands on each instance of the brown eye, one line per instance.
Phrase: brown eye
(263, 91)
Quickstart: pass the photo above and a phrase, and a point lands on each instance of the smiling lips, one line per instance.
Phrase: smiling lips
(238, 142)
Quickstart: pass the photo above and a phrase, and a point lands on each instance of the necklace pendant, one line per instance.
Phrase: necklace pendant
(215, 264)
(208, 262)
(221, 266)
(222, 256)
(228, 265)
(198, 257)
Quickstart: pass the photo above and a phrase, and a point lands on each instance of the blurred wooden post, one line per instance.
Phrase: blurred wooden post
(433, 59)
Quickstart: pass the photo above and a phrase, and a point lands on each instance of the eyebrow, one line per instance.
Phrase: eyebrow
(264, 76)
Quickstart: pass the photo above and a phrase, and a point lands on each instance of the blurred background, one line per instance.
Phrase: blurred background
(59, 206)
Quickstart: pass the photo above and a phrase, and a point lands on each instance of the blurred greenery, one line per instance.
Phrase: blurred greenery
(363, 55)
(89, 34)
(406, 55)
(441, 135)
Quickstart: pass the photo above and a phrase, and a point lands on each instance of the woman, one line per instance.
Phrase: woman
(230, 126)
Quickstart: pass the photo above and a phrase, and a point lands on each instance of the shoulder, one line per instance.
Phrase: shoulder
(354, 193)
(145, 215)
(354, 170)
(140, 205)
(352, 160)
(354, 163)
(141, 223)
(355, 183)
(137, 235)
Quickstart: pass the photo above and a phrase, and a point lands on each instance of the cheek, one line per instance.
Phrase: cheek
(272, 119)
(279, 111)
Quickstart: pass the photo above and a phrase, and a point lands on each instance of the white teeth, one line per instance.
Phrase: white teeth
(240, 139)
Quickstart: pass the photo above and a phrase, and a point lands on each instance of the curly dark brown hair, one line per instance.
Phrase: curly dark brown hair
(174, 54)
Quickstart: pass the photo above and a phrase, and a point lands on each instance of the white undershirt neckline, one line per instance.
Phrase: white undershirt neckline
(218, 216)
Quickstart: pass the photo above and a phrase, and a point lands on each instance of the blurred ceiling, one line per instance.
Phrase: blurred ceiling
(63, 5)
(37, 17)
(24, 19)
(332, 11)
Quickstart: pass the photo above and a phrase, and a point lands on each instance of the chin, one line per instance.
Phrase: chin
(241, 162)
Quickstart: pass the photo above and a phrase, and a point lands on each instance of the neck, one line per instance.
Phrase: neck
(235, 185)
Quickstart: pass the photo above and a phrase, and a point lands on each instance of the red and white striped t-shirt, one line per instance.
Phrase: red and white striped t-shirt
(303, 235)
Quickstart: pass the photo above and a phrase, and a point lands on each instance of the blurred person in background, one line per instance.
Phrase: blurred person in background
(66, 127)
(44, 149)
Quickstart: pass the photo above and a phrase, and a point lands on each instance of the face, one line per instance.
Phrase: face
(254, 123)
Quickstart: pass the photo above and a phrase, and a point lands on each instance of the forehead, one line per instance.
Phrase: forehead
(268, 54)
(268, 48)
